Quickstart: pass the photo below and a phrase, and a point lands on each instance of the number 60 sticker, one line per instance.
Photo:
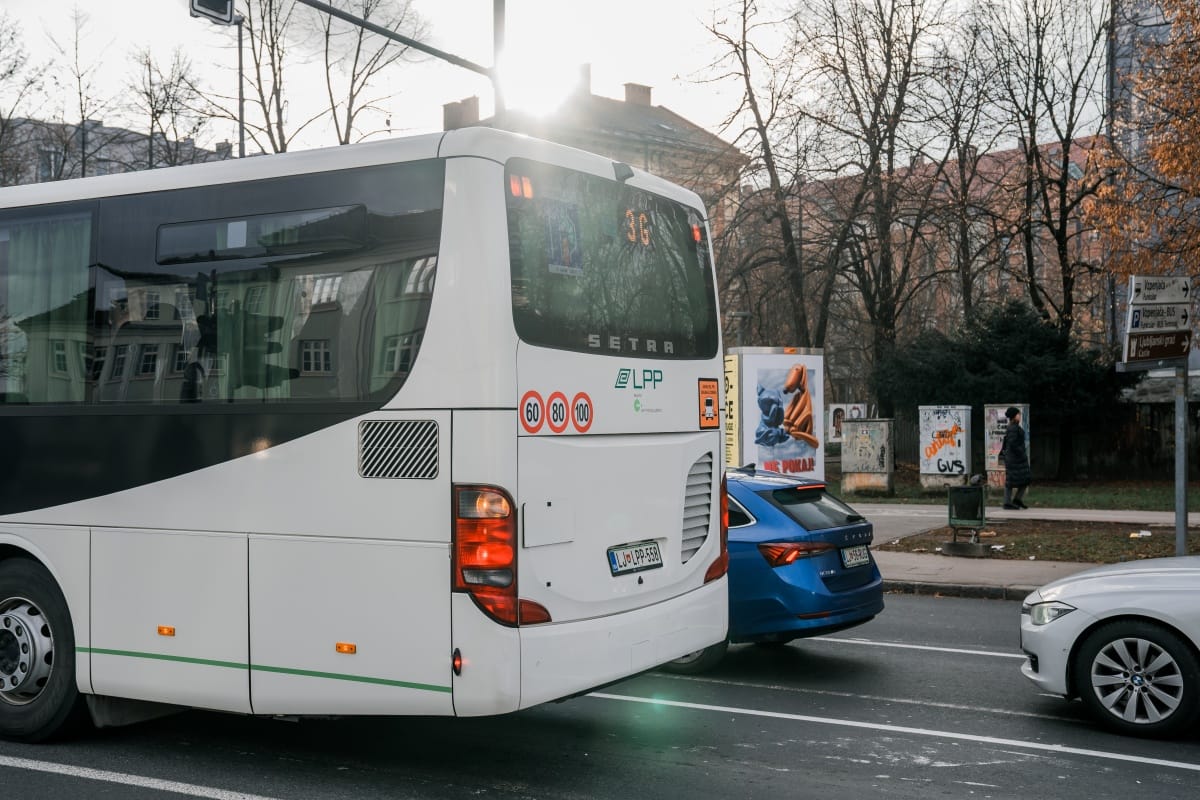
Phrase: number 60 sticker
(555, 412)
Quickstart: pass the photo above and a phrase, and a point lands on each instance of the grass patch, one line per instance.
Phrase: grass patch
(1134, 495)
(1052, 540)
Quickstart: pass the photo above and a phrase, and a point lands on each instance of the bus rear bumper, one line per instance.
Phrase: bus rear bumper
(561, 660)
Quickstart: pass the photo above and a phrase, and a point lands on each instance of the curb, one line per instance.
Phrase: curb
(1013, 592)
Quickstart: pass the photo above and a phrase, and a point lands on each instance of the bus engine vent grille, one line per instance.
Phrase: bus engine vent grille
(697, 506)
(401, 448)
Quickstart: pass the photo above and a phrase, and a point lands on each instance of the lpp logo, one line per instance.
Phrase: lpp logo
(645, 379)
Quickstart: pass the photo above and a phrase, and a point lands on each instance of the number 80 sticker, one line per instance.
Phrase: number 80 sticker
(555, 412)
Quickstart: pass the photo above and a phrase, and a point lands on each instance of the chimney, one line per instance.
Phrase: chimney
(637, 94)
(224, 150)
(585, 79)
(461, 114)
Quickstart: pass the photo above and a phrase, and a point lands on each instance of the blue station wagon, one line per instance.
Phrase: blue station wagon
(800, 564)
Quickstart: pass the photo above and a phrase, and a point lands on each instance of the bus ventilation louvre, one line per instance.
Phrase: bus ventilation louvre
(402, 448)
(697, 506)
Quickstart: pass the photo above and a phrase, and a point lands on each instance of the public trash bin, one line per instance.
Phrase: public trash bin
(966, 508)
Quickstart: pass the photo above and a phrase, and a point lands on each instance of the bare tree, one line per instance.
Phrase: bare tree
(781, 294)
(355, 59)
(19, 81)
(866, 65)
(1051, 56)
(963, 100)
(77, 136)
(170, 101)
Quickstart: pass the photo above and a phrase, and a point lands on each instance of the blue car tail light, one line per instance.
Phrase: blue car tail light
(780, 554)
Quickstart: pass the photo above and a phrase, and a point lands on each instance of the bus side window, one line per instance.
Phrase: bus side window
(44, 262)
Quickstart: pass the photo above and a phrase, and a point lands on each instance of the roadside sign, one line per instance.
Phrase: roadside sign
(1145, 289)
(1158, 327)
(1164, 317)
(218, 11)
(1157, 346)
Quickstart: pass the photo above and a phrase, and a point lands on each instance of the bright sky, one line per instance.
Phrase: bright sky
(660, 43)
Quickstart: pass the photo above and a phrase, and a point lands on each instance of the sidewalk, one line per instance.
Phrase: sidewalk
(993, 578)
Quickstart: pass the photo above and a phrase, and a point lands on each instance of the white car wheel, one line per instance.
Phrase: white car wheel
(1139, 678)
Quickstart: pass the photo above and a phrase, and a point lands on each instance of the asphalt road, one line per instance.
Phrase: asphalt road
(925, 701)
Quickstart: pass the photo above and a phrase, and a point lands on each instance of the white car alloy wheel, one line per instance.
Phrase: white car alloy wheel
(1138, 677)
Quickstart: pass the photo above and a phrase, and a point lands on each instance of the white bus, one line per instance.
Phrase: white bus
(408, 427)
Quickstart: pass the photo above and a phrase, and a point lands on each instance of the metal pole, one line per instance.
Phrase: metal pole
(497, 49)
(241, 93)
(1181, 449)
(396, 37)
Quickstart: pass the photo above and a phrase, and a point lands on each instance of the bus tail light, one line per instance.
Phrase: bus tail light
(485, 555)
(721, 565)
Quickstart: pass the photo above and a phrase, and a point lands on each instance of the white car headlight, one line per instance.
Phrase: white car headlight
(1042, 613)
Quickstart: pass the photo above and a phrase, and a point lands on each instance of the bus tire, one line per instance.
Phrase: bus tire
(38, 697)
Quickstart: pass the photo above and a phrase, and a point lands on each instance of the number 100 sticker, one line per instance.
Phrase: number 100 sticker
(556, 413)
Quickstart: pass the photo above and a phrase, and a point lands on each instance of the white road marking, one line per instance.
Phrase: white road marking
(900, 729)
(126, 779)
(871, 697)
(898, 645)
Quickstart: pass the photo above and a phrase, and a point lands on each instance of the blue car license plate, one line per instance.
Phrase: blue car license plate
(634, 557)
(855, 556)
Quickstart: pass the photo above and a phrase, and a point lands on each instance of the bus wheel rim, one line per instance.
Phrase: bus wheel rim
(26, 651)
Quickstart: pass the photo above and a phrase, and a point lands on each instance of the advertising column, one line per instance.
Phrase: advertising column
(779, 406)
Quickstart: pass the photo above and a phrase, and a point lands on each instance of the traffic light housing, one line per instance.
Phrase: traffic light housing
(252, 345)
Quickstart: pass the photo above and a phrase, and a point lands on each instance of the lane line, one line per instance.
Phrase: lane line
(871, 697)
(900, 646)
(125, 779)
(901, 729)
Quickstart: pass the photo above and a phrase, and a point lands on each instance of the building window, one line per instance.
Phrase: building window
(398, 353)
(96, 364)
(120, 355)
(153, 304)
(315, 357)
(49, 164)
(179, 360)
(325, 289)
(256, 297)
(58, 351)
(149, 363)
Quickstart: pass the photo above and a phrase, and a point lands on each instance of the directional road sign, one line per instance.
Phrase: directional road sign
(1159, 289)
(1165, 317)
(1157, 346)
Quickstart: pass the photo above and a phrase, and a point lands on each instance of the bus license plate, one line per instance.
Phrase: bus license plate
(634, 557)
(855, 556)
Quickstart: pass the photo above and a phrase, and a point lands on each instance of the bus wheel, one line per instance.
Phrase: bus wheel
(37, 653)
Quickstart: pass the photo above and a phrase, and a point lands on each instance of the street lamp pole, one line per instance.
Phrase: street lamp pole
(239, 20)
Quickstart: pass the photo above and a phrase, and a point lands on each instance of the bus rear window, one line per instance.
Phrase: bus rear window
(599, 266)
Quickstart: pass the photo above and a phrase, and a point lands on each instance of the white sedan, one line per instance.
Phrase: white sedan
(1125, 639)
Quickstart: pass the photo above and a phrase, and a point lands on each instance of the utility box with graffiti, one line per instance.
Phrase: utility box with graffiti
(838, 414)
(945, 442)
(868, 456)
(995, 424)
(773, 408)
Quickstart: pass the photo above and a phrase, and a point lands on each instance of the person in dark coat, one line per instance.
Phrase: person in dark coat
(1017, 475)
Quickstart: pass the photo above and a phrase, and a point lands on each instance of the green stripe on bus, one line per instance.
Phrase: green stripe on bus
(308, 673)
(207, 662)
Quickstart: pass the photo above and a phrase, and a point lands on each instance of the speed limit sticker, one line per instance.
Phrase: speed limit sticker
(532, 411)
(556, 412)
(581, 412)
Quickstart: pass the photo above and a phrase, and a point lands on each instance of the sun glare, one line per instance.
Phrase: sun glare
(536, 87)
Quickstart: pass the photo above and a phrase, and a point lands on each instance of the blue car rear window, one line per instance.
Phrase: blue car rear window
(813, 508)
